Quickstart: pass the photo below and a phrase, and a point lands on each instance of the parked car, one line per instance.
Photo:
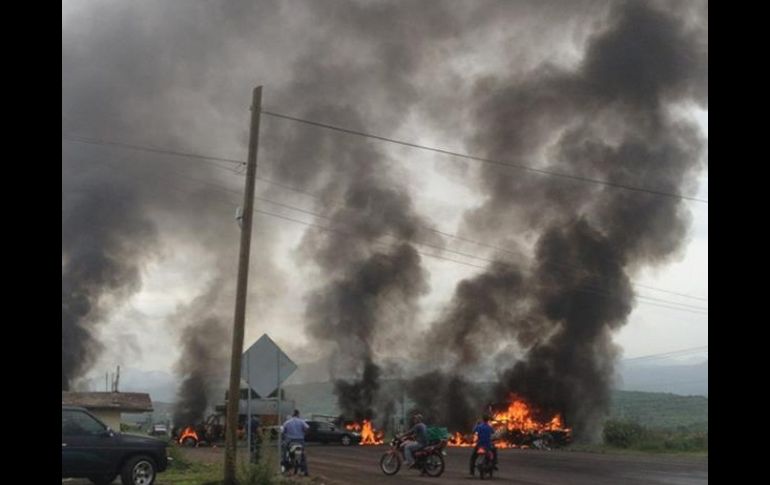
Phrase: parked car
(159, 429)
(90, 449)
(322, 432)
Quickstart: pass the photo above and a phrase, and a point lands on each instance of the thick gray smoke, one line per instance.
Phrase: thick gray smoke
(204, 358)
(613, 117)
(447, 399)
(372, 274)
(178, 74)
(139, 75)
(105, 240)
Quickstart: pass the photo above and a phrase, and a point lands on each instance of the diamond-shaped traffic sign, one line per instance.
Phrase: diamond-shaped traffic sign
(264, 366)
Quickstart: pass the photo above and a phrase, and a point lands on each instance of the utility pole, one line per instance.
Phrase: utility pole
(240, 298)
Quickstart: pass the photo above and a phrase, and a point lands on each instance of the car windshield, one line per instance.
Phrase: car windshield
(78, 423)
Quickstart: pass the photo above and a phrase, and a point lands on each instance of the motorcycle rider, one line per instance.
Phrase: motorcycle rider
(420, 434)
(294, 430)
(484, 431)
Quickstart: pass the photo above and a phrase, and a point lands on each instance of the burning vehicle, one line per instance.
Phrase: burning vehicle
(208, 433)
(369, 435)
(518, 424)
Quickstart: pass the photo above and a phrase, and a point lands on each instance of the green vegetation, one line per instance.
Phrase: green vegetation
(264, 472)
(632, 435)
(660, 410)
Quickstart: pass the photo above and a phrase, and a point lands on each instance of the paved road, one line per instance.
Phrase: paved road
(360, 465)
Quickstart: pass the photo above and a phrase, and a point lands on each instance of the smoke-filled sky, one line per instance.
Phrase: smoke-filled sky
(149, 241)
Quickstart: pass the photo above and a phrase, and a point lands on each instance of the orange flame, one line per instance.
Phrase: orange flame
(188, 432)
(458, 439)
(518, 417)
(369, 435)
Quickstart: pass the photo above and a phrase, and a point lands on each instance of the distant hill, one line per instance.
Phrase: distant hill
(660, 410)
(677, 379)
(691, 379)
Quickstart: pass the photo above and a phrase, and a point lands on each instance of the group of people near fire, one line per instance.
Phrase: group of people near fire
(294, 430)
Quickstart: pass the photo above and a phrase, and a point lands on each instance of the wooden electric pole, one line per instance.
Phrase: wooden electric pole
(234, 395)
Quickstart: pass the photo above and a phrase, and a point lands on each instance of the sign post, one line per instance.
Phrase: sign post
(266, 366)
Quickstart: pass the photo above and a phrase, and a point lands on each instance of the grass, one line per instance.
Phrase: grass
(184, 472)
(630, 435)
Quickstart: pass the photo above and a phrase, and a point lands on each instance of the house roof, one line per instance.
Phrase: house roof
(122, 401)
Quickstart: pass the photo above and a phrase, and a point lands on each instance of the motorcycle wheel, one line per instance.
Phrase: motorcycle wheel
(481, 466)
(434, 465)
(390, 463)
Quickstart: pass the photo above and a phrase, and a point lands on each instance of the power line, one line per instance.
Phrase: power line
(485, 160)
(582, 288)
(279, 216)
(94, 141)
(325, 228)
(163, 151)
(221, 188)
(671, 292)
(498, 248)
(666, 355)
(649, 384)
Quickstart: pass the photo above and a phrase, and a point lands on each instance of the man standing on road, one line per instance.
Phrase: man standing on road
(294, 430)
(256, 438)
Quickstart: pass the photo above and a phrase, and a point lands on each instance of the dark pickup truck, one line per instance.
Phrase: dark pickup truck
(90, 449)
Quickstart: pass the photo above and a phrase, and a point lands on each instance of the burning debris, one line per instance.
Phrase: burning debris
(189, 437)
(206, 433)
(518, 425)
(369, 434)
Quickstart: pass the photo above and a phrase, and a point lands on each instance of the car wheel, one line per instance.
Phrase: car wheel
(346, 440)
(190, 442)
(103, 480)
(139, 470)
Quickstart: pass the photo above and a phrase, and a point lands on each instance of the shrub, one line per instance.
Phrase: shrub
(623, 434)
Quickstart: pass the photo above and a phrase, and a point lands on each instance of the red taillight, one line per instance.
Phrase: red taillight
(481, 451)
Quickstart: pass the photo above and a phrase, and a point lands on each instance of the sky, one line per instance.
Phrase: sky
(651, 329)
(178, 76)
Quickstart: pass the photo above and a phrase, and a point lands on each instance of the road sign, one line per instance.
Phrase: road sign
(265, 366)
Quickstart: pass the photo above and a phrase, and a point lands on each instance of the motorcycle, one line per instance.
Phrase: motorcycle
(429, 460)
(484, 462)
(293, 458)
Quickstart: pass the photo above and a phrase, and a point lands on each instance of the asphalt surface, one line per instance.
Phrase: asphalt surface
(360, 465)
